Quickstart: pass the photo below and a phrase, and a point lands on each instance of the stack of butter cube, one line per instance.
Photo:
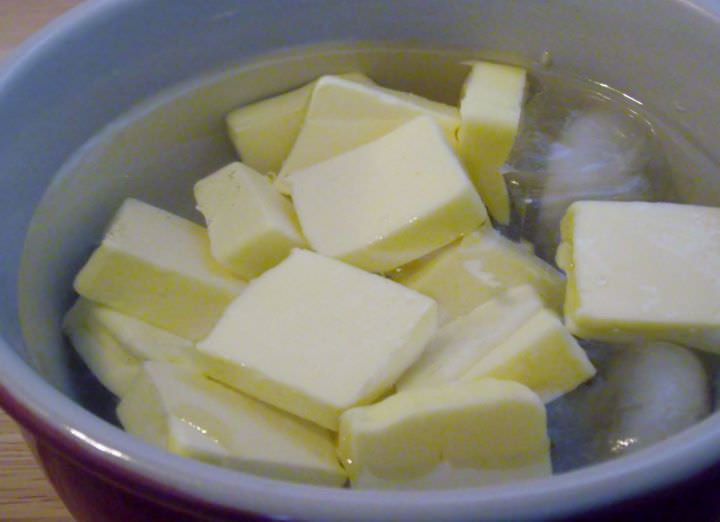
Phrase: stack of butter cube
(349, 313)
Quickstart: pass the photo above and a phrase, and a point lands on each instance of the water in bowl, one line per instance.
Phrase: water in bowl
(573, 130)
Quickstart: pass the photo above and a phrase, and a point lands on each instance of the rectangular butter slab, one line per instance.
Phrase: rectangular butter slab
(541, 354)
(115, 367)
(643, 270)
(343, 115)
(114, 345)
(157, 267)
(490, 112)
(180, 410)
(462, 434)
(478, 267)
(264, 132)
(388, 202)
(461, 343)
(139, 338)
(252, 227)
(315, 336)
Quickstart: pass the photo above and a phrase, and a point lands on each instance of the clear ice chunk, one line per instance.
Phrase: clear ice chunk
(578, 140)
(642, 395)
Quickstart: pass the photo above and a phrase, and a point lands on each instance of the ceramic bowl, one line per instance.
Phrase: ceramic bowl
(125, 98)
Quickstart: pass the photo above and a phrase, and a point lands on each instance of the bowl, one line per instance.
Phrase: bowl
(128, 97)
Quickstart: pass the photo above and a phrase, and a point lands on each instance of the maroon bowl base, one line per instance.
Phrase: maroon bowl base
(96, 490)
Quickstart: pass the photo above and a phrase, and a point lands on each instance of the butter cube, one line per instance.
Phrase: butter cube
(461, 343)
(141, 339)
(252, 227)
(115, 367)
(541, 354)
(478, 267)
(182, 411)
(388, 202)
(490, 115)
(314, 336)
(157, 267)
(343, 115)
(456, 435)
(643, 270)
(264, 132)
(114, 345)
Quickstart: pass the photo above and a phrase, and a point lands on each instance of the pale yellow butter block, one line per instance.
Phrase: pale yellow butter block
(139, 338)
(490, 111)
(478, 267)
(157, 267)
(541, 354)
(264, 132)
(459, 344)
(315, 336)
(114, 345)
(388, 202)
(343, 115)
(115, 367)
(252, 227)
(643, 270)
(180, 410)
(462, 434)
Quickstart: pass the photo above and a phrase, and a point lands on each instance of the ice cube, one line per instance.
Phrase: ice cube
(578, 140)
(654, 391)
(600, 155)
(571, 418)
(642, 395)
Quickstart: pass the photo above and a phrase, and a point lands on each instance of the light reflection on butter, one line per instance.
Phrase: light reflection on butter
(97, 445)
(194, 426)
(477, 269)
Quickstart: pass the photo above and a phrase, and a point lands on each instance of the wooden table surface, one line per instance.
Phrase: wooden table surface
(25, 494)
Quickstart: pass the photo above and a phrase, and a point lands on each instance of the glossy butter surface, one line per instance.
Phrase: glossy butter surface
(181, 410)
(315, 336)
(388, 202)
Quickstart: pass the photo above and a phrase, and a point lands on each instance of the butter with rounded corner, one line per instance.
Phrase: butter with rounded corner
(181, 410)
(462, 434)
(252, 227)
